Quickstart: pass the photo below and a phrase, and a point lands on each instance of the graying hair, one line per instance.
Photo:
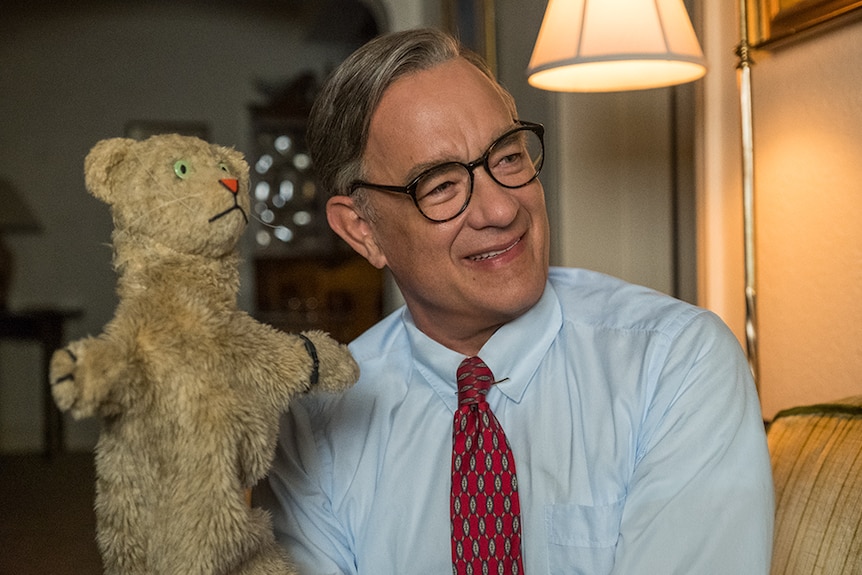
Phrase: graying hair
(341, 115)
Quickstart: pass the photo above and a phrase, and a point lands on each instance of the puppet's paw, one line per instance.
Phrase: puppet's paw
(337, 370)
(72, 384)
(64, 387)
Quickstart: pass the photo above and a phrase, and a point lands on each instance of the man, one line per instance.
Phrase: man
(632, 419)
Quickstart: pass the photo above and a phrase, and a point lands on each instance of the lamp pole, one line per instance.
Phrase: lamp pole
(743, 51)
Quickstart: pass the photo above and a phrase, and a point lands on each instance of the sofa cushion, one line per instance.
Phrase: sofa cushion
(816, 454)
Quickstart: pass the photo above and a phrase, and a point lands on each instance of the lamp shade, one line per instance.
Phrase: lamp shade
(615, 45)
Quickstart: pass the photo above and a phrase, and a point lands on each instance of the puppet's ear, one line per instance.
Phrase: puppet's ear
(100, 163)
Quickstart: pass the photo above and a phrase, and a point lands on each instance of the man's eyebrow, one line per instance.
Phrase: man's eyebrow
(422, 167)
(419, 169)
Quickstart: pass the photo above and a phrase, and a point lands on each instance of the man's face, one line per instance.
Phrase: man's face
(464, 278)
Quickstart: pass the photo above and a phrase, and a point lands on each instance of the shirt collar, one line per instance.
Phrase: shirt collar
(513, 353)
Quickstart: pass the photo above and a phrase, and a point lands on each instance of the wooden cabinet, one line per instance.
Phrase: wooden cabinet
(342, 296)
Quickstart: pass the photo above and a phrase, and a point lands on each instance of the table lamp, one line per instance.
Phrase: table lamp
(615, 45)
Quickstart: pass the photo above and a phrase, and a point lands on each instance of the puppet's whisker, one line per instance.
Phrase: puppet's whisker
(257, 218)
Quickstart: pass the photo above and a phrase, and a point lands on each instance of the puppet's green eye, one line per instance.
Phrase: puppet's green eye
(223, 167)
(181, 169)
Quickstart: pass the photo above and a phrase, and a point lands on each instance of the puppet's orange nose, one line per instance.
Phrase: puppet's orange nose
(231, 183)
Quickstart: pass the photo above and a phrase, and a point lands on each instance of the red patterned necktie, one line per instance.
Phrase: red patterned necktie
(485, 511)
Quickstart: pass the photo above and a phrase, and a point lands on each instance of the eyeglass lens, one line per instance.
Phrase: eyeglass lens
(512, 161)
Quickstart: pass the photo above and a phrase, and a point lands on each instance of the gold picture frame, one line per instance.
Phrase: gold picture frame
(774, 21)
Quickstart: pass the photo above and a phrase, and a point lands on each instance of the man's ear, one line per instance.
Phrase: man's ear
(346, 220)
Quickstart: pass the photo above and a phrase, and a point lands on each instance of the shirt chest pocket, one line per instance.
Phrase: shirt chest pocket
(582, 538)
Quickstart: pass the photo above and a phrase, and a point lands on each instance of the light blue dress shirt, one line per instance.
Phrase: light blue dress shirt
(633, 419)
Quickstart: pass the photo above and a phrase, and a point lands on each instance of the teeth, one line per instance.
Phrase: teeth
(492, 254)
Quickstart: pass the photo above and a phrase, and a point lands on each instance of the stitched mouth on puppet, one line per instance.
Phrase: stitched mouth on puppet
(232, 185)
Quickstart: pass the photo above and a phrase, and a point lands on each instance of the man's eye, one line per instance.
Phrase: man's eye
(511, 158)
(442, 183)
(436, 191)
(506, 160)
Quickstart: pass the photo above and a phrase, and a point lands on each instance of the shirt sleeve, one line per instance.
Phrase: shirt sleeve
(296, 494)
(700, 499)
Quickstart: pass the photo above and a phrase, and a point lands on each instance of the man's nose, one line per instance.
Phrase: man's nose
(493, 204)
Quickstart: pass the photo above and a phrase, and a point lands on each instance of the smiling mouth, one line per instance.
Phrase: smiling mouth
(489, 255)
(227, 211)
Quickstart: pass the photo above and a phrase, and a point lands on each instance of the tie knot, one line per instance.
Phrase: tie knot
(474, 380)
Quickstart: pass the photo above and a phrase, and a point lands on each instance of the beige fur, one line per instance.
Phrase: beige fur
(188, 388)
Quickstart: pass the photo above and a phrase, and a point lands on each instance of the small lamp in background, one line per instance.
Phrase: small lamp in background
(15, 217)
(615, 45)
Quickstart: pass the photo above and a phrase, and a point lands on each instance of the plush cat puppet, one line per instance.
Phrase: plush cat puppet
(188, 388)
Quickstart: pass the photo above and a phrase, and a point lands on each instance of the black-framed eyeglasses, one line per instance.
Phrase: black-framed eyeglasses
(443, 192)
